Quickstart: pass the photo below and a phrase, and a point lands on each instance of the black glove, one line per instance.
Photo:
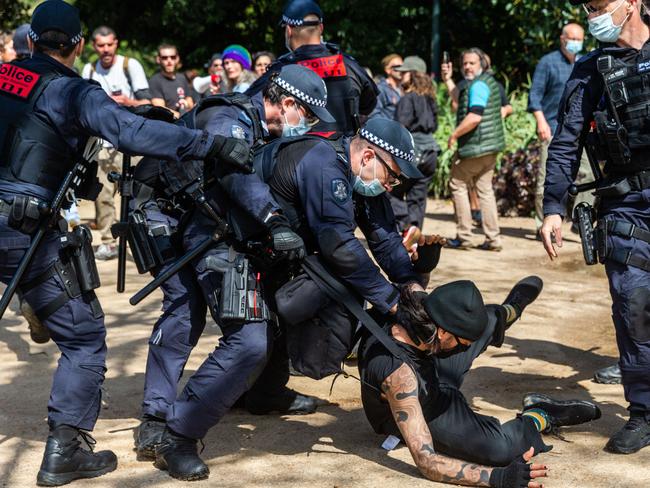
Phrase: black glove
(514, 475)
(232, 151)
(285, 242)
(428, 257)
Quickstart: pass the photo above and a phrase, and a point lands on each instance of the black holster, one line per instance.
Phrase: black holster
(583, 215)
(151, 245)
(25, 214)
(78, 245)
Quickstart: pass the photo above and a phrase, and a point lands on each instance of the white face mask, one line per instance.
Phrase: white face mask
(372, 189)
(603, 27)
(301, 128)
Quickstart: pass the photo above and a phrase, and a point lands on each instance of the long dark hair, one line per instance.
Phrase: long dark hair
(422, 84)
(413, 317)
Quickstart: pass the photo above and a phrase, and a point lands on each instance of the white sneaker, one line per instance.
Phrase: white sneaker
(106, 252)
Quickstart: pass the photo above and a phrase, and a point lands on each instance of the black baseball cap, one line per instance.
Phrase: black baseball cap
(295, 11)
(307, 87)
(458, 308)
(55, 15)
(392, 137)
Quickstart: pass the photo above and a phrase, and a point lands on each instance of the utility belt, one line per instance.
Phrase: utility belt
(77, 270)
(152, 244)
(594, 238)
(622, 185)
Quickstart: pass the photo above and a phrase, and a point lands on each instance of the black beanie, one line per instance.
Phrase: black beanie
(458, 308)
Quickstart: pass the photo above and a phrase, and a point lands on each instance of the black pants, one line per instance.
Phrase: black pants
(460, 432)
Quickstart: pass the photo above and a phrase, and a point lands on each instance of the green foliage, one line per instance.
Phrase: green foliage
(12, 14)
(520, 128)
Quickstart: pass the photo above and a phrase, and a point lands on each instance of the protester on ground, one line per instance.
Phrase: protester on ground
(390, 88)
(168, 87)
(418, 112)
(123, 79)
(261, 62)
(237, 66)
(415, 397)
(480, 136)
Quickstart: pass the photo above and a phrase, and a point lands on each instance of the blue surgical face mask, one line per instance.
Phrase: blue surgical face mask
(603, 27)
(289, 130)
(574, 47)
(372, 189)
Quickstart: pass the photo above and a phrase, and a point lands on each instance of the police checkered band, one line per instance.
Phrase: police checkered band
(73, 41)
(373, 139)
(299, 94)
(297, 22)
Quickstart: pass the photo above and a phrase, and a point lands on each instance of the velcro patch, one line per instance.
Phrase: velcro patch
(237, 132)
(17, 81)
(340, 190)
(327, 67)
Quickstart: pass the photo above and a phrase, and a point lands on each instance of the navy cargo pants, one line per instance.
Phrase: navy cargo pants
(76, 328)
(630, 290)
(227, 372)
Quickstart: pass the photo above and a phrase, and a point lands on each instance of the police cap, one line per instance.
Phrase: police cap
(392, 137)
(458, 308)
(307, 87)
(295, 11)
(55, 15)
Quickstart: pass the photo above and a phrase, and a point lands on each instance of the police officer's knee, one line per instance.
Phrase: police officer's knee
(257, 343)
(639, 314)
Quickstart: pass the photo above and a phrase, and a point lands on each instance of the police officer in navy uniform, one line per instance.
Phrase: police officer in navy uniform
(47, 116)
(604, 108)
(351, 93)
(328, 193)
(274, 111)
(295, 98)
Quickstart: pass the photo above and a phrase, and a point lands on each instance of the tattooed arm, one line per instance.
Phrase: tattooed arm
(401, 390)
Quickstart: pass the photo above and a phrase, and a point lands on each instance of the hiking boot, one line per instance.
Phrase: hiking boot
(178, 455)
(634, 436)
(37, 331)
(106, 252)
(521, 295)
(610, 375)
(490, 246)
(148, 435)
(562, 412)
(65, 459)
(288, 402)
(458, 244)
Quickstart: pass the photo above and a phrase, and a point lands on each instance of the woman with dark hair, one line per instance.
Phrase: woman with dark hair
(418, 112)
(416, 399)
(261, 62)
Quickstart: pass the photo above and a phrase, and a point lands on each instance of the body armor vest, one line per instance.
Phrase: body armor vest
(489, 136)
(32, 150)
(342, 100)
(177, 177)
(623, 128)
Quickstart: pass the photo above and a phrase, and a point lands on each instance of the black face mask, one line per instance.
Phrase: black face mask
(460, 347)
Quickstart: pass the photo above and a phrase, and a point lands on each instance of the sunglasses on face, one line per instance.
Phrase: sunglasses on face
(165, 58)
(594, 10)
(395, 178)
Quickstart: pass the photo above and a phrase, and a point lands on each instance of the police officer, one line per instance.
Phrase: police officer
(604, 107)
(47, 116)
(351, 93)
(327, 193)
(295, 98)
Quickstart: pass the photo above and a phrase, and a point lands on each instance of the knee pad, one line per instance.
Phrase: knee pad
(639, 315)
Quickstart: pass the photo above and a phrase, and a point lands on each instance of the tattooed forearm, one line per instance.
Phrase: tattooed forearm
(401, 390)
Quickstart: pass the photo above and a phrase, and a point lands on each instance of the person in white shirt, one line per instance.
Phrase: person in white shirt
(124, 80)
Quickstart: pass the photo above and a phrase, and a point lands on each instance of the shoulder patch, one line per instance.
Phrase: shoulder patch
(17, 81)
(237, 132)
(243, 117)
(340, 190)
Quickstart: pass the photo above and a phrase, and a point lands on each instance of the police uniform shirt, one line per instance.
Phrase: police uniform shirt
(79, 109)
(582, 96)
(321, 183)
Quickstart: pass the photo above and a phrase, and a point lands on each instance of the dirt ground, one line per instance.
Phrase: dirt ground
(561, 340)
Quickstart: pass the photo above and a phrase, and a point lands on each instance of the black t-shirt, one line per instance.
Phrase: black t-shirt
(172, 91)
(376, 364)
(417, 113)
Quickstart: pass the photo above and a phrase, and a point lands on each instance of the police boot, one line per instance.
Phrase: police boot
(178, 455)
(562, 413)
(148, 435)
(634, 435)
(65, 459)
(37, 331)
(610, 375)
(286, 402)
(522, 294)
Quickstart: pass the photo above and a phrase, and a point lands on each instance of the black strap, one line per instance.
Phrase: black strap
(338, 292)
(627, 229)
(626, 257)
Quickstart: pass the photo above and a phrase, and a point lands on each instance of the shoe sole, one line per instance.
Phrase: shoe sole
(543, 400)
(601, 381)
(162, 465)
(57, 479)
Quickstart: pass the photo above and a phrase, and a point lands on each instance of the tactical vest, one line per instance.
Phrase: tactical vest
(32, 150)
(489, 136)
(623, 128)
(177, 177)
(342, 100)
